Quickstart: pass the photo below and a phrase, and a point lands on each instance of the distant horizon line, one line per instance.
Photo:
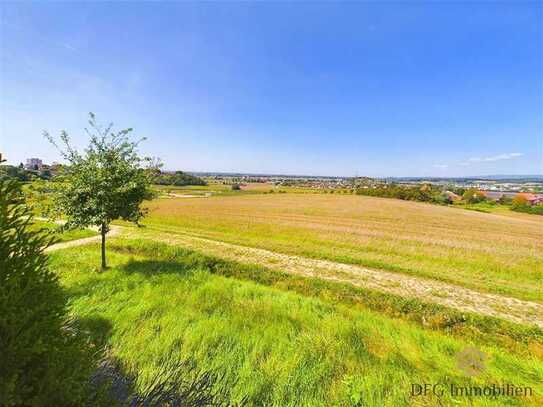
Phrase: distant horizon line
(492, 177)
(482, 177)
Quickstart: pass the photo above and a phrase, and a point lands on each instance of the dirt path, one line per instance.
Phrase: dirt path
(114, 230)
(463, 299)
(207, 195)
(460, 298)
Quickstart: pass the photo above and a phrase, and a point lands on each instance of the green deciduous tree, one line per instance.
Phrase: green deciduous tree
(108, 181)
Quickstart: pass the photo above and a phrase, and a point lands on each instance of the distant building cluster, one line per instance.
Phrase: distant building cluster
(531, 198)
(37, 164)
(34, 164)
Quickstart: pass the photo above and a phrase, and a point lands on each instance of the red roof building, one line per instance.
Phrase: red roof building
(532, 199)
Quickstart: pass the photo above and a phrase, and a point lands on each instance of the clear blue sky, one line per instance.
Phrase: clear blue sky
(374, 89)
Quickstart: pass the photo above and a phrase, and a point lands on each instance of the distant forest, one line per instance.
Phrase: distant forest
(179, 178)
(22, 174)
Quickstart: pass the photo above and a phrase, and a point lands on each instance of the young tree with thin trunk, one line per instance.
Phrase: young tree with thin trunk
(108, 181)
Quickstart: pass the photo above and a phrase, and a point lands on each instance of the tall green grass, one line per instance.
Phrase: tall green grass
(278, 345)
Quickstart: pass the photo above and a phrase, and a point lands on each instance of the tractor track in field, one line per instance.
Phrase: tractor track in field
(427, 290)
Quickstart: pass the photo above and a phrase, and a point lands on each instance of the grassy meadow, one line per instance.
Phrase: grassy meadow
(277, 339)
(488, 252)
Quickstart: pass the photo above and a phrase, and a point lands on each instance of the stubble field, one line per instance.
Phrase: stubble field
(487, 252)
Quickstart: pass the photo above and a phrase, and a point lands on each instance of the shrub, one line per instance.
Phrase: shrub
(505, 200)
(42, 358)
(441, 199)
(424, 193)
(473, 196)
(519, 202)
(236, 187)
(537, 210)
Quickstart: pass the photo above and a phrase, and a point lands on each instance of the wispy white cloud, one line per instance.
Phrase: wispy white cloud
(69, 47)
(499, 157)
(475, 160)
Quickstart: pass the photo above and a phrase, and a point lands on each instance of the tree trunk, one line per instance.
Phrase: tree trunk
(103, 232)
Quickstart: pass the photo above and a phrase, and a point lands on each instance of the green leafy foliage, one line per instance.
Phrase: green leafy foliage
(42, 357)
(24, 175)
(15, 172)
(108, 181)
(473, 196)
(424, 193)
(179, 178)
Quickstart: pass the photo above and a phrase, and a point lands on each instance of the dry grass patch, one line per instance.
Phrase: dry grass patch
(488, 252)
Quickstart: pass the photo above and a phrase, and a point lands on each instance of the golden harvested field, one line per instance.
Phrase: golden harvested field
(486, 252)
